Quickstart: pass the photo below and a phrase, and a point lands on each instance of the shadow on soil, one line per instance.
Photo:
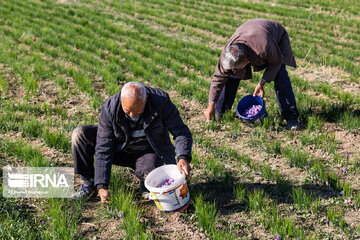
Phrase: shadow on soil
(222, 192)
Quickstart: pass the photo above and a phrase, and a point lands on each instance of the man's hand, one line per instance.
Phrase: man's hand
(103, 194)
(184, 167)
(210, 111)
(259, 90)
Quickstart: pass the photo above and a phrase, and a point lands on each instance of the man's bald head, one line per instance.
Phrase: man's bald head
(133, 99)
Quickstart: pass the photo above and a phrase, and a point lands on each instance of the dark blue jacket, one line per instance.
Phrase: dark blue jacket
(160, 117)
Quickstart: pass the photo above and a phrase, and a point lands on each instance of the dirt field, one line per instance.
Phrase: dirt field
(60, 60)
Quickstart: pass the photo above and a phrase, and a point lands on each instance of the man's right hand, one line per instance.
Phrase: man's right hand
(103, 194)
(210, 111)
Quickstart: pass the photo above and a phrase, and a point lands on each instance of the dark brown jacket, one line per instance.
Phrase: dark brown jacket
(269, 46)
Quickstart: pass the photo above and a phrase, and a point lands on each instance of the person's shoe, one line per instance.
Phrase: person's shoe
(293, 125)
(85, 192)
(144, 191)
(218, 116)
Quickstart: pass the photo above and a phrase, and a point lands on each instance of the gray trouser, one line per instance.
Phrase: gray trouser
(83, 149)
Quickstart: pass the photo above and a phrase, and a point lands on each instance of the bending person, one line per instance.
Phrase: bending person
(260, 44)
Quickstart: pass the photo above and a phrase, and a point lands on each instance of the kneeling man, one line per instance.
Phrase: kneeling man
(133, 131)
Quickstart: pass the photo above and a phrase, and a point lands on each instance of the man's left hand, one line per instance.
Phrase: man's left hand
(184, 167)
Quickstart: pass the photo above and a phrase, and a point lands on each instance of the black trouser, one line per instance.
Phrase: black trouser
(284, 93)
(83, 144)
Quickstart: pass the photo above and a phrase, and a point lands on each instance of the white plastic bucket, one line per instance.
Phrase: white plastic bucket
(172, 198)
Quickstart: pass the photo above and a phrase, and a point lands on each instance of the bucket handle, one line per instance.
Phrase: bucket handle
(157, 195)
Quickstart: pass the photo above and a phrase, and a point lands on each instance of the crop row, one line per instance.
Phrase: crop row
(332, 59)
(202, 94)
(60, 218)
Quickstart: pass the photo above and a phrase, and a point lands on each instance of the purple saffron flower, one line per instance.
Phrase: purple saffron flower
(253, 131)
(327, 222)
(341, 193)
(264, 148)
(307, 168)
(120, 214)
(278, 237)
(345, 169)
(167, 182)
(108, 208)
(252, 111)
(43, 222)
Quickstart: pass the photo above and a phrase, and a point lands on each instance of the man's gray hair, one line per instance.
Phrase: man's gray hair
(134, 90)
(233, 55)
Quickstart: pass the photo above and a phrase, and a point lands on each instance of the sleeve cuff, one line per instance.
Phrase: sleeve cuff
(100, 186)
(186, 157)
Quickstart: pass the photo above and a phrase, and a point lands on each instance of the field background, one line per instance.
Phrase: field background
(60, 60)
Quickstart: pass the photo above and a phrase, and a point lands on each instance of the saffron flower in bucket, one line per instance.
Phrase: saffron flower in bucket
(167, 182)
(252, 111)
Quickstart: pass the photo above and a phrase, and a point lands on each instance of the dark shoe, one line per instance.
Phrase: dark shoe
(218, 116)
(144, 191)
(293, 125)
(85, 192)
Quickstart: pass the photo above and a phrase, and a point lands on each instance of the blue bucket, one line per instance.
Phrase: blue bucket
(247, 102)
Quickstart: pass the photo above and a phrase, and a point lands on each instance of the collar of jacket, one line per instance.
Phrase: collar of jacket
(149, 114)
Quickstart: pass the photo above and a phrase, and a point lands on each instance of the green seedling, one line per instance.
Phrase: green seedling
(57, 140)
(213, 169)
(3, 86)
(347, 190)
(258, 201)
(335, 217)
(350, 121)
(315, 206)
(122, 207)
(206, 215)
(273, 147)
(296, 157)
(61, 82)
(20, 149)
(282, 227)
(17, 222)
(315, 123)
(357, 200)
(302, 200)
(240, 192)
(32, 128)
(62, 219)
(355, 168)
